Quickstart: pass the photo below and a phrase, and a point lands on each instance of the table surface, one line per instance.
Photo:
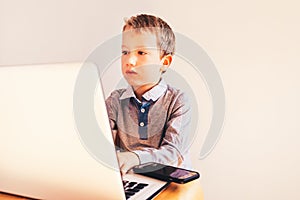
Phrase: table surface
(191, 191)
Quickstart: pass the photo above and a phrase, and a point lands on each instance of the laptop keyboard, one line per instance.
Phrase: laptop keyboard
(131, 188)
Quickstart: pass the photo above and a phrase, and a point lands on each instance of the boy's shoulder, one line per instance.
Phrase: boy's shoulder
(116, 94)
(175, 91)
(176, 95)
(175, 99)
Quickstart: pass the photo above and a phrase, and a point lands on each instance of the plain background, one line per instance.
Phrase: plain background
(255, 46)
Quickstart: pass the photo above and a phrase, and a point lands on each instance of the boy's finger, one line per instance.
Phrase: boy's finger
(124, 170)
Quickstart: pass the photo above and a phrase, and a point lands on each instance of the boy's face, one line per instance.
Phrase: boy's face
(141, 60)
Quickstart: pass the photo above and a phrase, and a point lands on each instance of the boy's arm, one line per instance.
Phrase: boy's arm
(175, 143)
(112, 113)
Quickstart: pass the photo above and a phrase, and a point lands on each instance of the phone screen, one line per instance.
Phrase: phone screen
(165, 172)
(174, 172)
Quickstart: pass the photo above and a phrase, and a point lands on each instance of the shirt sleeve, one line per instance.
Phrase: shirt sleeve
(175, 143)
(111, 106)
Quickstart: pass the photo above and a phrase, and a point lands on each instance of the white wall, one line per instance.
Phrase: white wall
(255, 46)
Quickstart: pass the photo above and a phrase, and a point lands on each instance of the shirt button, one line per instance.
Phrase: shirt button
(142, 124)
(143, 110)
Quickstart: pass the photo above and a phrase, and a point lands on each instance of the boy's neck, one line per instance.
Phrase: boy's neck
(142, 90)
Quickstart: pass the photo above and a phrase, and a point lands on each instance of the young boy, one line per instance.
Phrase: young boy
(149, 119)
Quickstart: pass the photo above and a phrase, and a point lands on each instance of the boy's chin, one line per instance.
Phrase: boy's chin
(137, 84)
(143, 85)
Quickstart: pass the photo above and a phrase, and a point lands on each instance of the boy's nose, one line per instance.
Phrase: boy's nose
(132, 60)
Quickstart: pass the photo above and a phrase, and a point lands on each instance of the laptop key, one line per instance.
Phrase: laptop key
(141, 185)
(129, 193)
(131, 188)
(130, 184)
(135, 190)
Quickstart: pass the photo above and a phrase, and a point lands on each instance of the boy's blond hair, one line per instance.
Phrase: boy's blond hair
(164, 34)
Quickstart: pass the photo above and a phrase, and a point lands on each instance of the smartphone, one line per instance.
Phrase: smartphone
(166, 172)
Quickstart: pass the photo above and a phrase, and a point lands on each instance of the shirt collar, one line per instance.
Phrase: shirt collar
(153, 94)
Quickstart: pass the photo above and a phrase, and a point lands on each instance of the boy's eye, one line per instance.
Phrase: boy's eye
(125, 52)
(142, 53)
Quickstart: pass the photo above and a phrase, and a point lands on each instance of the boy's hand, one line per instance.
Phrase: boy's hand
(127, 160)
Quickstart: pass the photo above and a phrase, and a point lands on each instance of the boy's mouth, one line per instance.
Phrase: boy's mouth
(130, 72)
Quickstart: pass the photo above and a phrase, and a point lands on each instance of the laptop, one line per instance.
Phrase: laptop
(55, 138)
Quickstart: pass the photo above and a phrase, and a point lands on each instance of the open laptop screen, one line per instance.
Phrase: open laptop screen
(41, 150)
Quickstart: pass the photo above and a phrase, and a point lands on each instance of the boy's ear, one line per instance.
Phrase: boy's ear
(166, 62)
